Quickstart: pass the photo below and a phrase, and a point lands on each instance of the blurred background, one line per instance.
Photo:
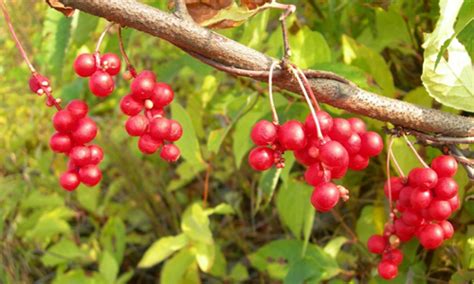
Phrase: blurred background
(260, 223)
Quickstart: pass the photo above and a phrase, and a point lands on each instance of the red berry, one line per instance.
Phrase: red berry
(170, 153)
(64, 121)
(387, 270)
(261, 158)
(136, 125)
(403, 231)
(358, 162)
(339, 172)
(454, 202)
(85, 65)
(142, 87)
(439, 210)
(162, 95)
(448, 230)
(77, 108)
(325, 196)
(264, 133)
(176, 131)
(96, 154)
(420, 199)
(60, 143)
(396, 185)
(446, 188)
(371, 144)
(101, 84)
(159, 128)
(69, 180)
(111, 63)
(394, 256)
(341, 129)
(309, 154)
(316, 174)
(37, 82)
(404, 198)
(148, 145)
(80, 155)
(130, 106)
(411, 217)
(85, 131)
(333, 155)
(422, 178)
(291, 135)
(90, 175)
(148, 74)
(352, 144)
(325, 122)
(357, 125)
(444, 166)
(377, 244)
(431, 236)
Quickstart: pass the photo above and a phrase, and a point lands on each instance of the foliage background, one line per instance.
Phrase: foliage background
(262, 228)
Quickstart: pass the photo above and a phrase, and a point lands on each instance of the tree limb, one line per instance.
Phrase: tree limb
(225, 52)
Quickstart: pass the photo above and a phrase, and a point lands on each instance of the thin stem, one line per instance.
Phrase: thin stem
(344, 225)
(308, 88)
(102, 36)
(308, 101)
(15, 38)
(389, 184)
(415, 152)
(270, 93)
(289, 9)
(124, 54)
(206, 185)
(397, 165)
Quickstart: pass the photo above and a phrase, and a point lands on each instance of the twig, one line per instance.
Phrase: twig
(130, 67)
(344, 225)
(289, 9)
(468, 164)
(270, 94)
(181, 10)
(102, 36)
(428, 139)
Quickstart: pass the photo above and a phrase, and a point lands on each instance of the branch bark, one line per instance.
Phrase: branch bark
(235, 58)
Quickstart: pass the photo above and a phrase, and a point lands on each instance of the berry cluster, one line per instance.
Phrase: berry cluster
(100, 69)
(343, 144)
(153, 128)
(423, 202)
(74, 130)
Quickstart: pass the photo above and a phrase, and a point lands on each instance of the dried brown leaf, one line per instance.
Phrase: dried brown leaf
(55, 4)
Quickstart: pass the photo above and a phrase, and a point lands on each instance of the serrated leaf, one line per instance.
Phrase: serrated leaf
(162, 249)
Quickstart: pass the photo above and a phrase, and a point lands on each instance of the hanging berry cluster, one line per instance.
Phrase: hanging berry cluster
(153, 128)
(423, 201)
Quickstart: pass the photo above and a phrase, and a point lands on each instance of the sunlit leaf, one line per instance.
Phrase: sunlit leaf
(162, 249)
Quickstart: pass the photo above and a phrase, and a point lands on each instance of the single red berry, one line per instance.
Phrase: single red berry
(85, 131)
(446, 188)
(357, 125)
(261, 158)
(387, 270)
(142, 87)
(325, 196)
(162, 95)
(90, 175)
(154, 113)
(377, 244)
(411, 217)
(264, 133)
(69, 180)
(291, 135)
(404, 198)
(60, 143)
(170, 153)
(325, 122)
(431, 236)
(420, 199)
(97, 154)
(148, 145)
(310, 153)
(159, 128)
(422, 178)
(439, 210)
(110, 62)
(130, 106)
(176, 131)
(394, 256)
(80, 155)
(403, 231)
(371, 144)
(77, 108)
(341, 129)
(148, 74)
(358, 162)
(333, 155)
(101, 84)
(136, 125)
(454, 201)
(64, 121)
(448, 230)
(85, 65)
(396, 185)
(352, 144)
(315, 174)
(339, 172)
(444, 166)
(37, 82)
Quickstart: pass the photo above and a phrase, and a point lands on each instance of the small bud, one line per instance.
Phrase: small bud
(148, 104)
(44, 83)
(49, 89)
(394, 241)
(40, 92)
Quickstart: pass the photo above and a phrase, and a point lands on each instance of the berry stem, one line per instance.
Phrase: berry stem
(414, 151)
(206, 185)
(124, 54)
(308, 101)
(102, 36)
(308, 88)
(389, 154)
(397, 165)
(270, 94)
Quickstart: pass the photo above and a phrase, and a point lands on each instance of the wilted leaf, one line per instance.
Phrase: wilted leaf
(56, 4)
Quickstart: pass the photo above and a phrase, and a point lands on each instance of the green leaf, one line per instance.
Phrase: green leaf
(88, 198)
(162, 249)
(219, 267)
(266, 187)
(215, 139)
(241, 142)
(223, 209)
(86, 26)
(302, 271)
(404, 156)
(370, 222)
(72, 277)
(195, 224)
(334, 246)
(239, 273)
(63, 252)
(112, 238)
(309, 48)
(451, 82)
(469, 248)
(175, 269)
(108, 267)
(205, 254)
(186, 171)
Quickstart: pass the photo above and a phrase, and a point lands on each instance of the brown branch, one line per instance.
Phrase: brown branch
(235, 56)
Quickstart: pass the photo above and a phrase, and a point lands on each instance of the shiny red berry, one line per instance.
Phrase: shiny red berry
(439, 210)
(325, 196)
(97, 154)
(136, 125)
(170, 153)
(60, 143)
(69, 180)
(396, 185)
(142, 87)
(431, 236)
(315, 174)
(291, 135)
(403, 231)
(325, 122)
(420, 199)
(387, 270)
(130, 106)
(90, 175)
(358, 162)
(159, 128)
(148, 145)
(110, 62)
(455, 203)
(85, 65)
(377, 244)
(371, 144)
(394, 256)
(446, 188)
(412, 217)
(64, 121)
(357, 125)
(333, 155)
(444, 166)
(162, 95)
(261, 158)
(77, 108)
(422, 178)
(101, 84)
(264, 133)
(448, 230)
(80, 155)
(176, 131)
(352, 144)
(341, 129)
(85, 131)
